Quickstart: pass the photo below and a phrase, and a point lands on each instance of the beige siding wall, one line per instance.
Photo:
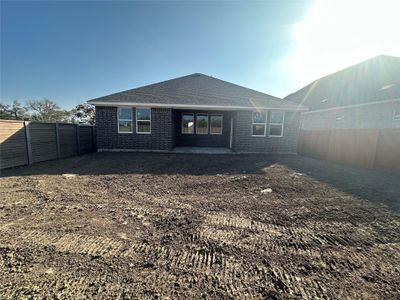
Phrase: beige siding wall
(378, 115)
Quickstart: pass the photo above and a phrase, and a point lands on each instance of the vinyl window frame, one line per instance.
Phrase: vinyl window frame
(275, 124)
(208, 123)
(339, 118)
(194, 123)
(136, 119)
(253, 123)
(222, 123)
(121, 119)
(396, 114)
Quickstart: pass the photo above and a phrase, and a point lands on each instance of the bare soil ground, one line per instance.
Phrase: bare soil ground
(152, 226)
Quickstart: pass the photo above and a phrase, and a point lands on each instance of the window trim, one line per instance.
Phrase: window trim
(194, 124)
(136, 119)
(282, 124)
(222, 123)
(396, 116)
(204, 114)
(118, 119)
(265, 124)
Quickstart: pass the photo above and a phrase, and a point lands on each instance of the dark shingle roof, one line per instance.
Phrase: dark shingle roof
(197, 90)
(376, 79)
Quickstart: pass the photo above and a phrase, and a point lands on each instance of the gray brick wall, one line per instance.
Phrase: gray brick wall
(245, 142)
(162, 132)
(379, 115)
(161, 137)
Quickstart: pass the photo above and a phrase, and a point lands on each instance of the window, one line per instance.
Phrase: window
(143, 120)
(339, 118)
(201, 124)
(216, 124)
(259, 123)
(276, 123)
(396, 114)
(124, 120)
(187, 123)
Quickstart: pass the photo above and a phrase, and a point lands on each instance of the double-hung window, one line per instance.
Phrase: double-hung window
(216, 124)
(259, 121)
(187, 123)
(143, 120)
(396, 114)
(276, 123)
(124, 120)
(201, 123)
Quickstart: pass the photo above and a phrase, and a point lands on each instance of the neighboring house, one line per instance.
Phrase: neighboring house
(196, 111)
(366, 95)
(354, 115)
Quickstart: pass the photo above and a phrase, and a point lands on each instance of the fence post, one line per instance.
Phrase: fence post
(58, 141)
(78, 141)
(93, 141)
(374, 164)
(28, 142)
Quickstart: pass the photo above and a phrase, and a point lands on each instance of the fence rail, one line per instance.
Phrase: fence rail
(25, 143)
(372, 148)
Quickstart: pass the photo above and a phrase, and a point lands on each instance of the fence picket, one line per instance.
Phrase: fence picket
(24, 142)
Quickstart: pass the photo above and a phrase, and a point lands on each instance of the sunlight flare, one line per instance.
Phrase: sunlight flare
(336, 34)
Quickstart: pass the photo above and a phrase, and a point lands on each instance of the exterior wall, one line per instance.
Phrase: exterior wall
(243, 140)
(165, 132)
(202, 140)
(160, 138)
(369, 116)
(367, 136)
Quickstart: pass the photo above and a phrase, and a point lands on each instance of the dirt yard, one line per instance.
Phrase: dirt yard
(163, 226)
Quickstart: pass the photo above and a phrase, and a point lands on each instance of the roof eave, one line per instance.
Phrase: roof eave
(194, 106)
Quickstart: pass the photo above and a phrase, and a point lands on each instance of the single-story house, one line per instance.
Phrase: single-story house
(196, 111)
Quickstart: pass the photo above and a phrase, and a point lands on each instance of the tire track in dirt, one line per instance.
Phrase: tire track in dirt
(195, 260)
(339, 254)
(226, 269)
(69, 285)
(203, 263)
(314, 236)
(243, 223)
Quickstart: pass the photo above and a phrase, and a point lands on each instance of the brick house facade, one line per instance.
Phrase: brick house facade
(161, 137)
(205, 112)
(163, 133)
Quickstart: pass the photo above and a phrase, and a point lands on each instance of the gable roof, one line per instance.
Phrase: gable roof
(197, 91)
(376, 79)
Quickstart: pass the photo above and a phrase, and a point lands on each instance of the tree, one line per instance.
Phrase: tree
(84, 113)
(5, 113)
(18, 111)
(47, 111)
(15, 111)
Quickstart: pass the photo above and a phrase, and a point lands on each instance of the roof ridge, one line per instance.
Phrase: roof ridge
(147, 85)
(241, 86)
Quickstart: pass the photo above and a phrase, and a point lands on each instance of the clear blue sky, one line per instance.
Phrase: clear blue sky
(73, 51)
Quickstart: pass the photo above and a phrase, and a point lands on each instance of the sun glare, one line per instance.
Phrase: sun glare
(337, 34)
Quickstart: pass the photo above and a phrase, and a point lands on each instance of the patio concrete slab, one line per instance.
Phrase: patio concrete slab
(202, 150)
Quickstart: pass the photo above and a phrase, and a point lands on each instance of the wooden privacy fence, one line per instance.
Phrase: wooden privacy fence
(368, 148)
(23, 143)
